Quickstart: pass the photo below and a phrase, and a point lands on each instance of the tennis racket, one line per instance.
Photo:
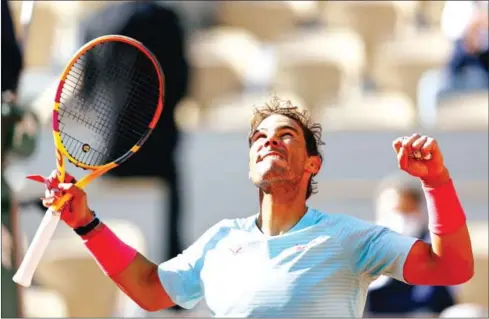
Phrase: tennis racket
(108, 101)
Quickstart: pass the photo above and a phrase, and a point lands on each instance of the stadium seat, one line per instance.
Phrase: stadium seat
(431, 12)
(43, 303)
(375, 21)
(464, 111)
(42, 103)
(70, 270)
(375, 111)
(188, 115)
(316, 66)
(399, 63)
(220, 59)
(267, 20)
(87, 7)
(477, 289)
(233, 113)
(39, 46)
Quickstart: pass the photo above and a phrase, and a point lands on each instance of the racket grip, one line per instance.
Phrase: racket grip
(36, 250)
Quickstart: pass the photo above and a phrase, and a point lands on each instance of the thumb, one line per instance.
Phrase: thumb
(53, 177)
(78, 196)
(396, 145)
(72, 189)
(403, 158)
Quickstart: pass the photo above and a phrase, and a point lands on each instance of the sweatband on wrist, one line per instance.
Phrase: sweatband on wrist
(445, 211)
(111, 253)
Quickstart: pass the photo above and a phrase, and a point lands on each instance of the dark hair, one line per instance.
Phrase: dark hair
(312, 131)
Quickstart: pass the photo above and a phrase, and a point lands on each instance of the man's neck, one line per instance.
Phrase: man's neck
(280, 211)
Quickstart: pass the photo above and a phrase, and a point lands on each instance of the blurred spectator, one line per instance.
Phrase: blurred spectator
(400, 206)
(19, 132)
(466, 24)
(159, 29)
(195, 15)
(465, 311)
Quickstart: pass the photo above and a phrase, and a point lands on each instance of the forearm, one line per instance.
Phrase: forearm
(140, 282)
(451, 249)
(132, 272)
(452, 257)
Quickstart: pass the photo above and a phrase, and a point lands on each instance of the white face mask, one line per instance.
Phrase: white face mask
(410, 224)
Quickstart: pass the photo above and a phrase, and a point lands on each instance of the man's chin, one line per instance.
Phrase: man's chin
(273, 173)
(272, 170)
(269, 179)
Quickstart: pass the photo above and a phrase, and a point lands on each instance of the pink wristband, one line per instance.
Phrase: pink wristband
(445, 212)
(111, 253)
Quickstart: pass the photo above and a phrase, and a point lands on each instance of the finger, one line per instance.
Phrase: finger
(50, 196)
(416, 147)
(65, 209)
(408, 142)
(53, 192)
(403, 158)
(47, 201)
(430, 147)
(72, 189)
(48, 193)
(396, 145)
(418, 143)
(53, 177)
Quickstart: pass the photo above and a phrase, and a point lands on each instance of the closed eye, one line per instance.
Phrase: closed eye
(257, 136)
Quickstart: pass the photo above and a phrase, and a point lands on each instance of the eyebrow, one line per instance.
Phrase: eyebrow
(280, 128)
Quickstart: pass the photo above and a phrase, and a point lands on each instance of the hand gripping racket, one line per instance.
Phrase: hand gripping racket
(108, 101)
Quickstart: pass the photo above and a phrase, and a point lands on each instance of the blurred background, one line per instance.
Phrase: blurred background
(368, 71)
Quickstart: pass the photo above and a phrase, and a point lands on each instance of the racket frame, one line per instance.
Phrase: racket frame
(46, 230)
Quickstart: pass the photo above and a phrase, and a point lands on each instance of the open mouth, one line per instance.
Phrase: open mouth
(272, 155)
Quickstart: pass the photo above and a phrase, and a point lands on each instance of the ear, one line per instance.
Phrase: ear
(313, 165)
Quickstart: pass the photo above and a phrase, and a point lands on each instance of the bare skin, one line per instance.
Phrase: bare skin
(140, 279)
(280, 167)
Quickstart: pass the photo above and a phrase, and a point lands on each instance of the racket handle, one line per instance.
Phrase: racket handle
(36, 250)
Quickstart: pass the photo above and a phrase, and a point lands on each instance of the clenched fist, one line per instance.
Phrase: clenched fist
(421, 157)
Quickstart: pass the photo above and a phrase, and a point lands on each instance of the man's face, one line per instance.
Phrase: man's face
(400, 212)
(278, 152)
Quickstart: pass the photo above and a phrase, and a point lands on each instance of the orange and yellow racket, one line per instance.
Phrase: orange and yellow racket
(108, 101)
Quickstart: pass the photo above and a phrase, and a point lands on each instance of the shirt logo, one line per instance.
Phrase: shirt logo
(236, 250)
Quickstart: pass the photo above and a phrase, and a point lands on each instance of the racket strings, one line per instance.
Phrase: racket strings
(98, 97)
(75, 86)
(108, 100)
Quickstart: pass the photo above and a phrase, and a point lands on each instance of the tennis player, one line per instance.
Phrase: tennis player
(289, 260)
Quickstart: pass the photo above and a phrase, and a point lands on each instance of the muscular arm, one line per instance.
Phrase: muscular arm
(140, 282)
(448, 260)
(133, 273)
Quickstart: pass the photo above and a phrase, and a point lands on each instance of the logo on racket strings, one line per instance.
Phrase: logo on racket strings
(86, 148)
